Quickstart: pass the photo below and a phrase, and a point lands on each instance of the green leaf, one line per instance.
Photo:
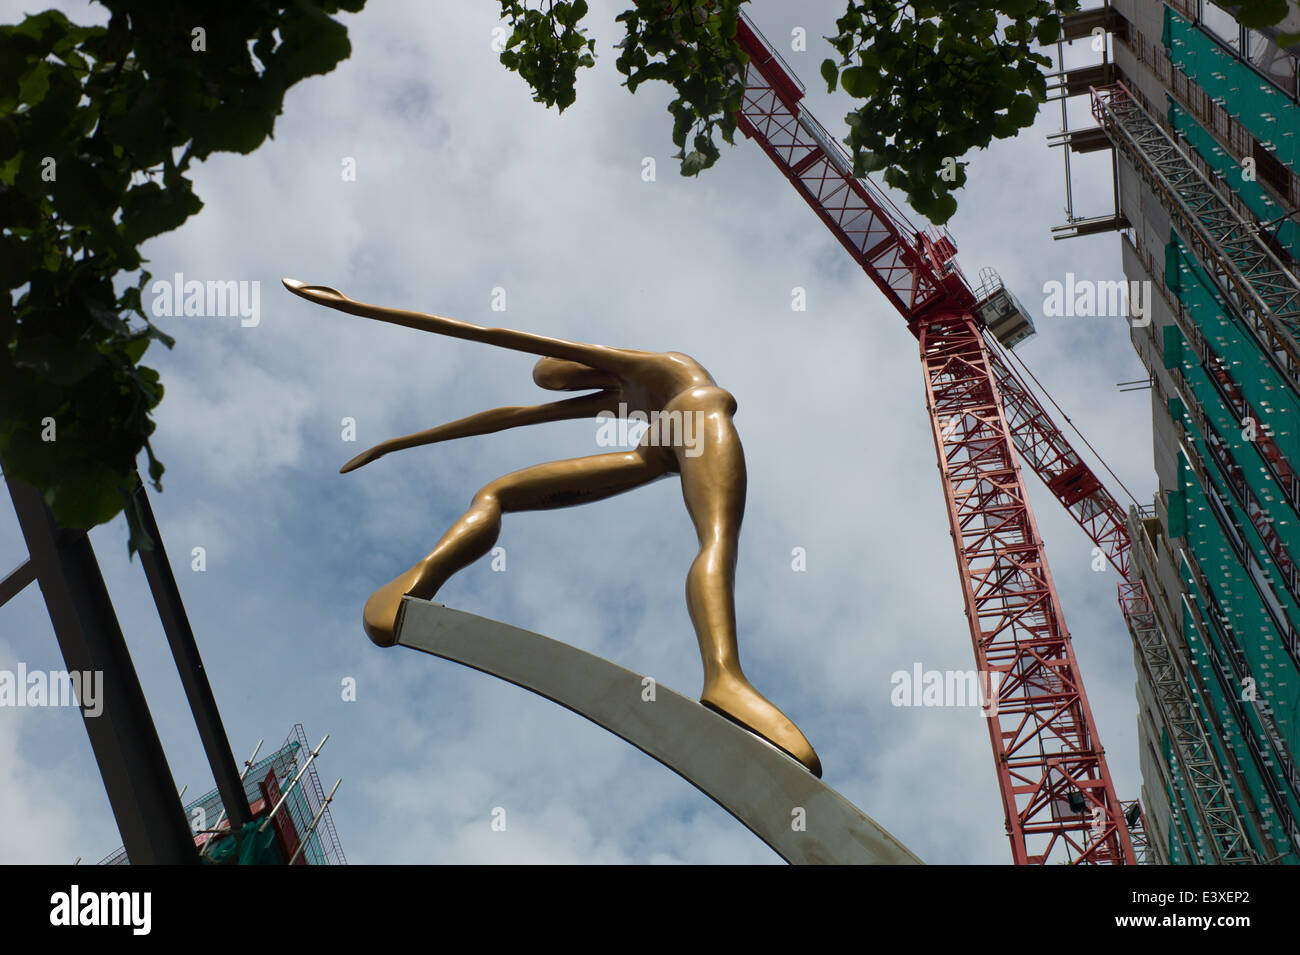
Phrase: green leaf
(694, 162)
(945, 206)
(872, 162)
(149, 209)
(1047, 31)
(859, 82)
(138, 538)
(83, 500)
(1258, 14)
(57, 361)
(232, 127)
(34, 86)
(136, 348)
(830, 73)
(1023, 110)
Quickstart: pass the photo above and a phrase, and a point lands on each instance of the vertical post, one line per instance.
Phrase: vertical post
(198, 691)
(141, 790)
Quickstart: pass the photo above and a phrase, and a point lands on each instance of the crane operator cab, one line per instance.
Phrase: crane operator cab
(1001, 311)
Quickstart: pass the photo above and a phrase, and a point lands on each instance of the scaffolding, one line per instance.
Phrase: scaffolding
(302, 806)
(1263, 291)
(1215, 811)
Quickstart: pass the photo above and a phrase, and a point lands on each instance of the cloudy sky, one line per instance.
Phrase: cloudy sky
(464, 185)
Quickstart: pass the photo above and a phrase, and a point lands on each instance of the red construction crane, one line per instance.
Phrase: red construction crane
(1057, 793)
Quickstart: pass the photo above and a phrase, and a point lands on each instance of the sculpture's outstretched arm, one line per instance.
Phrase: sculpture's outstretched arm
(489, 422)
(597, 356)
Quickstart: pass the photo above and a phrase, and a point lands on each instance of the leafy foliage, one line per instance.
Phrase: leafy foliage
(1260, 14)
(693, 47)
(936, 79)
(98, 126)
(546, 49)
(1256, 13)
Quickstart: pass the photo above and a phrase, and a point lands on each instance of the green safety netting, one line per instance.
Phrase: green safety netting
(253, 848)
(1252, 193)
(1247, 621)
(1264, 389)
(1233, 739)
(1257, 104)
(1190, 516)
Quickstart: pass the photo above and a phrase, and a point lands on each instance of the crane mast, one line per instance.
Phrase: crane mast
(1057, 794)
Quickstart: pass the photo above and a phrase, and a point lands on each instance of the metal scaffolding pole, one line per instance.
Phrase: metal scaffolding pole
(198, 691)
(1259, 287)
(139, 783)
(1212, 803)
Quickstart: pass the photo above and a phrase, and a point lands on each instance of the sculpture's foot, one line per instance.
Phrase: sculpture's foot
(736, 699)
(380, 616)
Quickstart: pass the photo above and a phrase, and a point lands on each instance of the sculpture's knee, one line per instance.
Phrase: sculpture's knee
(706, 563)
(487, 499)
(715, 558)
(484, 514)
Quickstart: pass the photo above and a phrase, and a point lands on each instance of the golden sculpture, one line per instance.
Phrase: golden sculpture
(666, 386)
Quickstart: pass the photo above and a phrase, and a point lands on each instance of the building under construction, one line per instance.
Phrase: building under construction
(291, 818)
(1203, 120)
(273, 813)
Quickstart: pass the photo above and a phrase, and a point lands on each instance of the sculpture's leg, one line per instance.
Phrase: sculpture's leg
(713, 484)
(544, 486)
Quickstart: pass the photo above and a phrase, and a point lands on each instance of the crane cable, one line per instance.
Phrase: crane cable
(1068, 420)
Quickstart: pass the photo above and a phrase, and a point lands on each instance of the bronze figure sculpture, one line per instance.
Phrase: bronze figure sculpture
(667, 384)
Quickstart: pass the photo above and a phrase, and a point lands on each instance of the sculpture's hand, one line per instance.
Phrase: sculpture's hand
(316, 293)
(365, 457)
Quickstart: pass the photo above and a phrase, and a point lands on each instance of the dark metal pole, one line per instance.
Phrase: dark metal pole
(176, 624)
(18, 578)
(141, 790)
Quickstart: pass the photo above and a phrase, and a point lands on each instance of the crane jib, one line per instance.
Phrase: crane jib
(1058, 798)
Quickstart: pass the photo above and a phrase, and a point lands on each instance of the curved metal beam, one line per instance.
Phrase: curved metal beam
(799, 816)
